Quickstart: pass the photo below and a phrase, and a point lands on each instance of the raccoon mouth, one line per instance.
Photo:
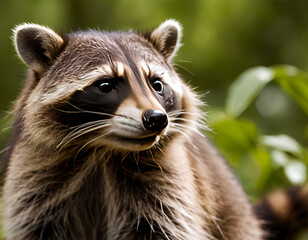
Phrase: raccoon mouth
(138, 140)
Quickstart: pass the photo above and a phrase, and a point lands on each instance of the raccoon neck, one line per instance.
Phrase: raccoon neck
(153, 190)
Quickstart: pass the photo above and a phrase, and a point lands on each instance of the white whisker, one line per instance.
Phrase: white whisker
(198, 124)
(183, 127)
(178, 65)
(81, 126)
(177, 113)
(82, 131)
(86, 111)
(89, 142)
(153, 158)
(181, 132)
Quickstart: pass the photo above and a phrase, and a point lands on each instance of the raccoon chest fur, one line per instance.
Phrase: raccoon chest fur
(107, 144)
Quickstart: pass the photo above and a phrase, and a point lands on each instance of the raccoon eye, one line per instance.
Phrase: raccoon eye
(157, 85)
(105, 85)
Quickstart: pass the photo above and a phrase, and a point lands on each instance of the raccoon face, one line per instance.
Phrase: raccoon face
(93, 88)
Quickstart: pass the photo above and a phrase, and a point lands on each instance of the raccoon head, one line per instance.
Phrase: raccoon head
(103, 89)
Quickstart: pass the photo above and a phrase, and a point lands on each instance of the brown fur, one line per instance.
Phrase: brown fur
(70, 178)
(284, 213)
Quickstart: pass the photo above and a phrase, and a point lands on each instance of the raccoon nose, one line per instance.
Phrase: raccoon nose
(154, 120)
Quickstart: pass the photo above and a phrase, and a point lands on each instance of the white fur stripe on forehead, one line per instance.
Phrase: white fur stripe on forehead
(74, 83)
(167, 38)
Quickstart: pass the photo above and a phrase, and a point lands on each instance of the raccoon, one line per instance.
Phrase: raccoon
(108, 144)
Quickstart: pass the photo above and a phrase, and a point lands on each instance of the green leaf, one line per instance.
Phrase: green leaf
(279, 158)
(296, 172)
(295, 83)
(246, 87)
(283, 143)
(234, 137)
(263, 159)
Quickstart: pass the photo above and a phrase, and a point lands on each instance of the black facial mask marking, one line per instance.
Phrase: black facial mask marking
(102, 98)
(92, 102)
(167, 98)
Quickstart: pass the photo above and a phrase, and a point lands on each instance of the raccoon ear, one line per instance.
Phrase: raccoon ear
(167, 38)
(36, 45)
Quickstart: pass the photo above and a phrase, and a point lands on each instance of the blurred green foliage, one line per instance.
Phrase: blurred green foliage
(258, 116)
(262, 161)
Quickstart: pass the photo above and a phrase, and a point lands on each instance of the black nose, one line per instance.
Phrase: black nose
(154, 120)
